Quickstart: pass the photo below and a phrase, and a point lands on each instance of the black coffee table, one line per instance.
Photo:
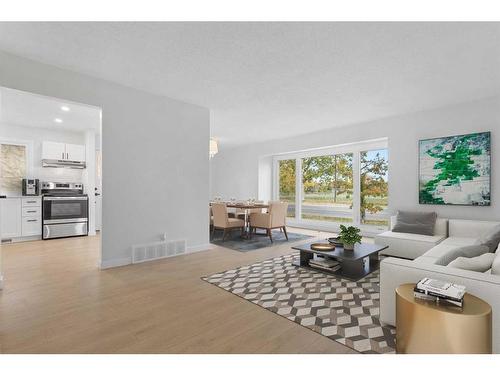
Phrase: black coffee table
(356, 263)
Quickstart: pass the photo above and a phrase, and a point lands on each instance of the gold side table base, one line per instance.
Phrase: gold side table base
(424, 327)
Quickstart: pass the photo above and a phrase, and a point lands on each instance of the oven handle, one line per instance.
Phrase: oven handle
(65, 198)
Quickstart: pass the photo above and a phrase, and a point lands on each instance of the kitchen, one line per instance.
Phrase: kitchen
(50, 168)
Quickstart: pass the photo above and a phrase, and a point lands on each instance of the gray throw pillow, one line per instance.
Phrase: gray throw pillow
(415, 222)
(492, 238)
(481, 263)
(465, 251)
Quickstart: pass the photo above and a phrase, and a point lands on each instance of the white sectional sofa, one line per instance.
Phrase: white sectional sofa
(409, 245)
(396, 271)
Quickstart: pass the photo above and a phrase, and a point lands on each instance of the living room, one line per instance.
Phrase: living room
(280, 187)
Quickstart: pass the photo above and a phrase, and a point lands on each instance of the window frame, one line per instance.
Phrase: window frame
(355, 149)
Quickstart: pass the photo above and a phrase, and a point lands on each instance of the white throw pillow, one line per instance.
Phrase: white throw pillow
(481, 263)
(495, 267)
(464, 251)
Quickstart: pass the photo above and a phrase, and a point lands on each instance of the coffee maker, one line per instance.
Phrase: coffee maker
(31, 186)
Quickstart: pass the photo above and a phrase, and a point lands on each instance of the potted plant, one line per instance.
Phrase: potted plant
(349, 236)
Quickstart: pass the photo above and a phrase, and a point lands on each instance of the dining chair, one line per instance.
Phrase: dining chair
(224, 222)
(275, 218)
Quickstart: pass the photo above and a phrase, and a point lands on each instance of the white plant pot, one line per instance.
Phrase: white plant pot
(348, 246)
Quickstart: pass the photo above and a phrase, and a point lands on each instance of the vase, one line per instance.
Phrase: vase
(348, 246)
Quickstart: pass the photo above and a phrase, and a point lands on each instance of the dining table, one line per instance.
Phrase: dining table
(246, 206)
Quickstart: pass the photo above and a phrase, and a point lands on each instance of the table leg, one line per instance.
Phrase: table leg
(303, 259)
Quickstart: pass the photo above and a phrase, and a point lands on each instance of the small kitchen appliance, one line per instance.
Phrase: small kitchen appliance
(31, 186)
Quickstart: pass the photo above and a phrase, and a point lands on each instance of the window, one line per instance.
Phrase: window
(286, 192)
(328, 188)
(373, 187)
(335, 185)
(12, 167)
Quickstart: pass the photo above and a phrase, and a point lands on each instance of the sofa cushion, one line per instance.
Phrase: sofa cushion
(415, 222)
(470, 228)
(464, 251)
(461, 241)
(491, 238)
(481, 263)
(406, 245)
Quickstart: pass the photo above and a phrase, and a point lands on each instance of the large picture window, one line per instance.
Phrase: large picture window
(336, 185)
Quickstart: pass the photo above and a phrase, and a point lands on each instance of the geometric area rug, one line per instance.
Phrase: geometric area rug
(342, 310)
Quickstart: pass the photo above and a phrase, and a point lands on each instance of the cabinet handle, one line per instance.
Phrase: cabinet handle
(30, 201)
(67, 155)
(31, 221)
(62, 155)
(31, 212)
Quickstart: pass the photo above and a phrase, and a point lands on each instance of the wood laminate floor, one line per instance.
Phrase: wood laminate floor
(56, 300)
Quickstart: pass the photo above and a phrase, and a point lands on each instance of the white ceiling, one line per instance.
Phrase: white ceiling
(271, 80)
(27, 109)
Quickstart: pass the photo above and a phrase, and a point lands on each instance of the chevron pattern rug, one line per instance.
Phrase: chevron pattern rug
(342, 310)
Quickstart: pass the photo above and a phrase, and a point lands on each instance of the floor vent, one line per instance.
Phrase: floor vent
(157, 250)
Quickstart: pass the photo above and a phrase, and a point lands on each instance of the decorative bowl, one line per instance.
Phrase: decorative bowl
(321, 246)
(335, 241)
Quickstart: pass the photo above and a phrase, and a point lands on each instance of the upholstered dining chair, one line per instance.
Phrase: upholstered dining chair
(275, 218)
(223, 221)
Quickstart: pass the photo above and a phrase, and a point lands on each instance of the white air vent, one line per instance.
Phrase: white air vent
(157, 250)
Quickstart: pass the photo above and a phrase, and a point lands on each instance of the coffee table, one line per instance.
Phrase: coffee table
(356, 263)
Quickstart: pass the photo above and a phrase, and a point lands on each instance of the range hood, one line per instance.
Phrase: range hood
(54, 163)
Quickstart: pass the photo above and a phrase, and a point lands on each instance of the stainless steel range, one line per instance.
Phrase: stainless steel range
(65, 210)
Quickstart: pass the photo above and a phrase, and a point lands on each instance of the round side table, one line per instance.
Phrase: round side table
(426, 327)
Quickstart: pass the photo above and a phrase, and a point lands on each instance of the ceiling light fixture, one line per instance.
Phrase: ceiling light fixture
(65, 108)
(58, 120)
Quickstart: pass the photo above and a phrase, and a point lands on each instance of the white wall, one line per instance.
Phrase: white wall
(36, 136)
(236, 171)
(155, 156)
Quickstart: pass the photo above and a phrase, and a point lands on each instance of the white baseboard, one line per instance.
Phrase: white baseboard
(198, 248)
(112, 263)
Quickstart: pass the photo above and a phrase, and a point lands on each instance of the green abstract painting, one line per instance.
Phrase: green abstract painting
(455, 170)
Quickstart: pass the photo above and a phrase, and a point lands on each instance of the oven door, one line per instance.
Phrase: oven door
(59, 210)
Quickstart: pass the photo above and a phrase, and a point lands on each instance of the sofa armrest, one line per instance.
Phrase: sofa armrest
(394, 272)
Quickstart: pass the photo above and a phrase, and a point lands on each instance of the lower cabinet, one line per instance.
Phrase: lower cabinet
(20, 217)
(11, 218)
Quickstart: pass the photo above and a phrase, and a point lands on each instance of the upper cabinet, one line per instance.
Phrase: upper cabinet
(75, 152)
(63, 151)
(53, 150)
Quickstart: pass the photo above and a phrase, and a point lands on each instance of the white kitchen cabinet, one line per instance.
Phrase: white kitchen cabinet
(63, 151)
(31, 226)
(53, 150)
(11, 218)
(75, 152)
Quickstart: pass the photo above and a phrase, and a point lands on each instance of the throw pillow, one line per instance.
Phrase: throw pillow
(465, 251)
(415, 222)
(492, 238)
(495, 267)
(481, 263)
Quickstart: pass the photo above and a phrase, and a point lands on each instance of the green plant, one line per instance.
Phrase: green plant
(349, 235)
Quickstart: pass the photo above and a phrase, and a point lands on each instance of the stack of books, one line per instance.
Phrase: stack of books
(327, 264)
(439, 291)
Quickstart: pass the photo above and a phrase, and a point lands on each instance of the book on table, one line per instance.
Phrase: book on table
(437, 290)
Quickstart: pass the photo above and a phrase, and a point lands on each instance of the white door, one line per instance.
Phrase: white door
(75, 152)
(10, 220)
(53, 150)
